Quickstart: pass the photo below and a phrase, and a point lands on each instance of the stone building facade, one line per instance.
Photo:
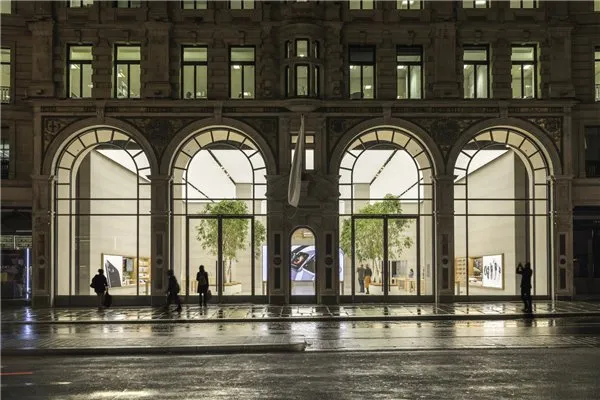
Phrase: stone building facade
(39, 117)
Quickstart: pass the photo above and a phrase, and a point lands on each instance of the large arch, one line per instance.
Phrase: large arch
(502, 207)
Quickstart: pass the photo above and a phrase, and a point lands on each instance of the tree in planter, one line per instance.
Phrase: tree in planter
(234, 235)
(368, 240)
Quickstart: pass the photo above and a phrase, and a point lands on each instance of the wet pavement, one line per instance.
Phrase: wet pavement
(262, 313)
(521, 374)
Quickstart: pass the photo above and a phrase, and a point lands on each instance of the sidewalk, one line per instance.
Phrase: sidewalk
(269, 313)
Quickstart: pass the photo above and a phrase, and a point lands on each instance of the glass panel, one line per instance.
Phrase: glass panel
(86, 89)
(5, 55)
(368, 257)
(237, 255)
(261, 256)
(74, 80)
(415, 82)
(302, 263)
(122, 78)
(235, 4)
(83, 53)
(236, 81)
(368, 82)
(516, 82)
(134, 81)
(355, 83)
(302, 80)
(528, 81)
(362, 55)
(203, 250)
(402, 262)
(201, 81)
(128, 53)
(316, 80)
(522, 54)
(195, 54)
(475, 55)
(302, 48)
(482, 81)
(248, 81)
(288, 81)
(188, 82)
(5, 6)
(469, 81)
(248, 4)
(402, 82)
(239, 54)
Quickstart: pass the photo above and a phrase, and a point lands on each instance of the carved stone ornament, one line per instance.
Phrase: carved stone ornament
(51, 126)
(267, 127)
(337, 127)
(159, 131)
(552, 126)
(444, 131)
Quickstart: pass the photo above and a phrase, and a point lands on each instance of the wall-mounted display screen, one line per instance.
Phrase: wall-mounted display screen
(302, 263)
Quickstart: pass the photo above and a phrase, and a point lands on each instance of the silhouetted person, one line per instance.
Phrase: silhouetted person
(99, 283)
(173, 291)
(202, 279)
(361, 277)
(526, 286)
(368, 275)
(411, 280)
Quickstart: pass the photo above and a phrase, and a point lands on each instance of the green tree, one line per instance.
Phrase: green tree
(368, 241)
(234, 235)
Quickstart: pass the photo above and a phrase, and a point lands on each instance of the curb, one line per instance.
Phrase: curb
(446, 317)
(149, 350)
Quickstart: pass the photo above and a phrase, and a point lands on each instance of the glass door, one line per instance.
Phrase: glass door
(403, 261)
(303, 267)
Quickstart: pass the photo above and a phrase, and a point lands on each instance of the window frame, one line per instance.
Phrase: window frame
(522, 64)
(129, 63)
(243, 64)
(596, 67)
(361, 65)
(10, 69)
(361, 4)
(475, 65)
(474, 4)
(410, 64)
(81, 5)
(195, 64)
(195, 3)
(408, 6)
(81, 63)
(129, 4)
(307, 48)
(536, 4)
(242, 5)
(309, 144)
(5, 162)
(308, 81)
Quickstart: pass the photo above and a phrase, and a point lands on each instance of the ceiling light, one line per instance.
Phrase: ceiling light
(237, 67)
(401, 67)
(368, 87)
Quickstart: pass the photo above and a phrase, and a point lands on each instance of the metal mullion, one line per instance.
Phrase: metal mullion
(353, 255)
(80, 80)
(252, 261)
(384, 267)
(467, 232)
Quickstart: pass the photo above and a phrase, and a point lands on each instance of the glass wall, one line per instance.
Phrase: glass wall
(102, 220)
(498, 226)
(219, 213)
(386, 225)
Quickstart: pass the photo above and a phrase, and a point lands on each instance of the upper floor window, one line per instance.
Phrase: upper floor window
(597, 72)
(476, 4)
(302, 48)
(362, 72)
(127, 71)
(5, 6)
(4, 158)
(195, 72)
(361, 4)
(241, 72)
(409, 4)
(194, 4)
(596, 5)
(476, 72)
(309, 151)
(80, 3)
(5, 82)
(524, 75)
(302, 77)
(80, 72)
(241, 4)
(592, 151)
(409, 73)
(523, 3)
(128, 4)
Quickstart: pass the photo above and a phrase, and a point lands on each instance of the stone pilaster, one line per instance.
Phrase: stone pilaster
(557, 62)
(42, 84)
(501, 68)
(103, 69)
(444, 226)
(445, 82)
(563, 236)
(155, 66)
(42, 265)
(160, 233)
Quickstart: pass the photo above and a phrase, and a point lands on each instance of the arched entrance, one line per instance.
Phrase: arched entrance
(303, 266)
(102, 214)
(219, 214)
(386, 217)
(503, 208)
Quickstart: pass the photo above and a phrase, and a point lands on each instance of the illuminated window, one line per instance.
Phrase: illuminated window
(523, 3)
(80, 72)
(127, 72)
(476, 72)
(409, 73)
(409, 4)
(5, 82)
(309, 151)
(361, 4)
(241, 4)
(128, 4)
(476, 4)
(362, 72)
(597, 72)
(80, 3)
(524, 75)
(194, 4)
(241, 70)
(5, 6)
(194, 72)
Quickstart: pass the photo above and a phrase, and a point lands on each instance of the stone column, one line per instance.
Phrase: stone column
(501, 69)
(445, 82)
(563, 236)
(155, 66)
(444, 225)
(278, 255)
(160, 234)
(42, 83)
(42, 266)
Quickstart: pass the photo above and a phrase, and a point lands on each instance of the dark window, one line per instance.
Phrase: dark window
(409, 72)
(524, 72)
(4, 158)
(128, 4)
(592, 151)
(476, 4)
(127, 72)
(194, 4)
(361, 4)
(194, 77)
(241, 72)
(5, 76)
(241, 4)
(79, 67)
(523, 4)
(476, 72)
(409, 4)
(362, 72)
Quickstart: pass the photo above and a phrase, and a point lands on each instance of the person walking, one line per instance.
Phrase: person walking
(202, 279)
(99, 284)
(173, 291)
(368, 275)
(361, 277)
(526, 273)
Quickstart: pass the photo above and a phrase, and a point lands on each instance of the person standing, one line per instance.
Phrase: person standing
(99, 284)
(368, 275)
(173, 291)
(526, 286)
(361, 277)
(411, 280)
(202, 279)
